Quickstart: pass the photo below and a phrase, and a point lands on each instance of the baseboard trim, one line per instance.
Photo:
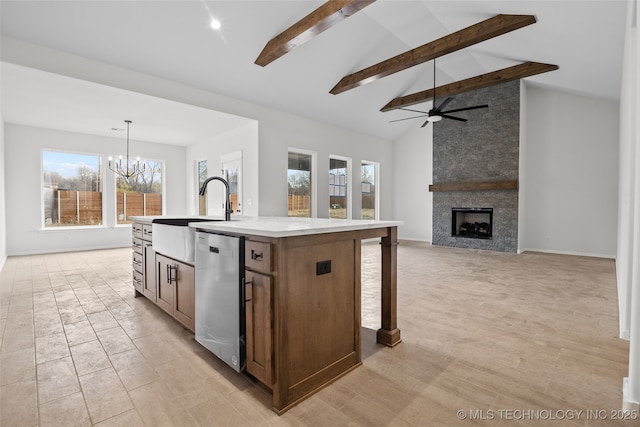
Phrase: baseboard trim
(571, 253)
(411, 239)
(627, 403)
(57, 251)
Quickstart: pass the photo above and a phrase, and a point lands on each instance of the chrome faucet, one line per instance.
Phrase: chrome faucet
(227, 208)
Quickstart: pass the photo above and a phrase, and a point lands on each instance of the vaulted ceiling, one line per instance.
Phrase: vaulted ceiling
(173, 40)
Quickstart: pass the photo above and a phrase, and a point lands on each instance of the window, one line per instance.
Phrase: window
(202, 177)
(339, 191)
(369, 179)
(232, 172)
(72, 189)
(140, 195)
(300, 183)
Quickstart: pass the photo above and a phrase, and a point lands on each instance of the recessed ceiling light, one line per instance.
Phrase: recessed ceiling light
(215, 24)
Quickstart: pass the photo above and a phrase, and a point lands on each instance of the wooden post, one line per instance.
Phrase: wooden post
(77, 207)
(389, 334)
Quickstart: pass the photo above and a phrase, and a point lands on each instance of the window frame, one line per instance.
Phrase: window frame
(376, 183)
(228, 161)
(115, 192)
(349, 184)
(103, 203)
(200, 200)
(314, 178)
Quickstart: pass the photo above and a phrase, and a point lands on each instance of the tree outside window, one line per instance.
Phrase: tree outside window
(72, 189)
(140, 195)
(202, 177)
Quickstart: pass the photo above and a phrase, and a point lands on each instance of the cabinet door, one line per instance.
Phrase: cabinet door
(258, 315)
(184, 295)
(149, 262)
(165, 273)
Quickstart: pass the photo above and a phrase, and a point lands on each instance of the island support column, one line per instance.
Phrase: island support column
(389, 334)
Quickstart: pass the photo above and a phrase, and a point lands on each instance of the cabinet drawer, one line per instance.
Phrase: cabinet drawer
(138, 281)
(258, 256)
(147, 233)
(137, 262)
(136, 229)
(137, 245)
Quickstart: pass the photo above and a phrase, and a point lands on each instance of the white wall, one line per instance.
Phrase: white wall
(570, 182)
(23, 160)
(276, 131)
(627, 174)
(3, 210)
(413, 172)
(565, 165)
(628, 256)
(279, 131)
(243, 139)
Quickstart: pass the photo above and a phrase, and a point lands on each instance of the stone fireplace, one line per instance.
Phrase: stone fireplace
(476, 167)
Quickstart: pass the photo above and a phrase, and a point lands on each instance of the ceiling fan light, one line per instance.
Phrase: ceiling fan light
(434, 118)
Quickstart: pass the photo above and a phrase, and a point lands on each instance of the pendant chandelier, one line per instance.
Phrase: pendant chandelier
(124, 167)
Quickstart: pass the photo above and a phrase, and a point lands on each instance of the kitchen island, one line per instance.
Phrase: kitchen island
(302, 293)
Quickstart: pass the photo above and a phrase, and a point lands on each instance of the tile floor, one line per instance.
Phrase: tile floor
(486, 333)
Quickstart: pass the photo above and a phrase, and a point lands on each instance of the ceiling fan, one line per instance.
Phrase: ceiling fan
(436, 113)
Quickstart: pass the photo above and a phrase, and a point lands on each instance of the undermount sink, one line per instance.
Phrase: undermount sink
(172, 237)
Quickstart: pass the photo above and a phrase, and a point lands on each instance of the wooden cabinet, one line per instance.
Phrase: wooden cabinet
(144, 279)
(137, 259)
(175, 292)
(149, 263)
(168, 283)
(319, 317)
(259, 310)
(259, 322)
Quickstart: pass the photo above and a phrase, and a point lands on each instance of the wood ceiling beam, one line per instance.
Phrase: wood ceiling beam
(485, 30)
(516, 72)
(321, 19)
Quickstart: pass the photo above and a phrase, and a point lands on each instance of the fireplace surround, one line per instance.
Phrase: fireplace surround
(476, 164)
(472, 223)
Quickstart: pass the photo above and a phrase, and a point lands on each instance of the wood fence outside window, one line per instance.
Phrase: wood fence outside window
(71, 207)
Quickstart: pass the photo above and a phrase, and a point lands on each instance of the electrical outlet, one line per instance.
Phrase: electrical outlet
(323, 267)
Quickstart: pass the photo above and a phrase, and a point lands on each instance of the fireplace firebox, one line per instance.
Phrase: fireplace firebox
(475, 223)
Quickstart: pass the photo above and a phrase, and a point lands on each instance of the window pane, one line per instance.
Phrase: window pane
(140, 195)
(232, 175)
(368, 182)
(72, 187)
(337, 188)
(202, 177)
(299, 183)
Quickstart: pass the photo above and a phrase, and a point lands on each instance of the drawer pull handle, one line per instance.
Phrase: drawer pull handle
(255, 255)
(170, 277)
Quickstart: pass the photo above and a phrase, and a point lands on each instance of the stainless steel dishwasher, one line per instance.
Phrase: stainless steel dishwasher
(219, 297)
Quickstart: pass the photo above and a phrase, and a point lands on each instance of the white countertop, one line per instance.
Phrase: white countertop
(287, 226)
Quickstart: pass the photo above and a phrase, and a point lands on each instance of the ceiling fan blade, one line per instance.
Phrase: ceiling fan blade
(407, 118)
(454, 118)
(414, 111)
(425, 123)
(466, 109)
(444, 103)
